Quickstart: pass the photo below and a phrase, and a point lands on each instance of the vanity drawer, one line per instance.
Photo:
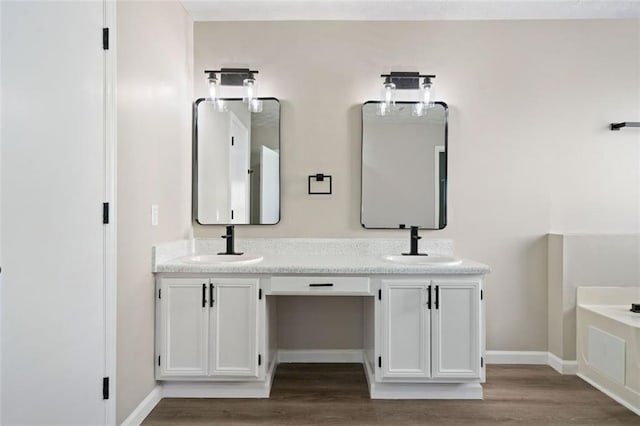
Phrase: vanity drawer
(319, 285)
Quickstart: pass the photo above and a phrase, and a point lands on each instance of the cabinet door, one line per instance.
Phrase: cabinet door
(184, 327)
(234, 328)
(456, 329)
(405, 329)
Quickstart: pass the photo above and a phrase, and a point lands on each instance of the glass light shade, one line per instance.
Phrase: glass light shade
(427, 94)
(250, 90)
(255, 105)
(213, 88)
(389, 92)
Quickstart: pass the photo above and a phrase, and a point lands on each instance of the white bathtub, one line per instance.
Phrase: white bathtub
(608, 342)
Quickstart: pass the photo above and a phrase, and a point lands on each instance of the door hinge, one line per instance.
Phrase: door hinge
(105, 388)
(259, 359)
(105, 38)
(158, 360)
(232, 140)
(481, 295)
(159, 293)
(231, 214)
(105, 213)
(379, 362)
(379, 294)
(481, 362)
(259, 294)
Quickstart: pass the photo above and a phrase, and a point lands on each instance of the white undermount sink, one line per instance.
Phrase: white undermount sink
(425, 260)
(217, 259)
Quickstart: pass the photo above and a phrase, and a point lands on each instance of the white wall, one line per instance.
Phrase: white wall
(529, 147)
(155, 88)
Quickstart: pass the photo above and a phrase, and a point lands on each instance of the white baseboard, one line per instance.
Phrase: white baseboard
(320, 355)
(518, 357)
(610, 394)
(563, 366)
(144, 408)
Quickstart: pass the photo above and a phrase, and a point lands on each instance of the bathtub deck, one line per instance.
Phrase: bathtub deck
(621, 313)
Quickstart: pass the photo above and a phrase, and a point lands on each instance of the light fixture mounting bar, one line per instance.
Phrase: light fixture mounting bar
(233, 76)
(406, 80)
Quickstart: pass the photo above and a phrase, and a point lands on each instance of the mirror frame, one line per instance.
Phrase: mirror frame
(446, 159)
(194, 163)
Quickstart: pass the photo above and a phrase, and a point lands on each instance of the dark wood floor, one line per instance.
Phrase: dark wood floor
(336, 394)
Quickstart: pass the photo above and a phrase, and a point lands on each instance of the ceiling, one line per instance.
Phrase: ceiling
(408, 10)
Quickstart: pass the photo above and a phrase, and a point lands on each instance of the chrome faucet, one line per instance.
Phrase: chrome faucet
(414, 238)
(230, 242)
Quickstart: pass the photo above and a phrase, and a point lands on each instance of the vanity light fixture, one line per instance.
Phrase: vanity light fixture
(244, 77)
(407, 81)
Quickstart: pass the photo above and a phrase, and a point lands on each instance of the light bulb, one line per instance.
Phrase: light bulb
(250, 90)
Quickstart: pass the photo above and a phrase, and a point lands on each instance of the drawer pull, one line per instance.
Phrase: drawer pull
(321, 285)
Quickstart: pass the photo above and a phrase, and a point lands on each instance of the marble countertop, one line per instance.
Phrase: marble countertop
(310, 256)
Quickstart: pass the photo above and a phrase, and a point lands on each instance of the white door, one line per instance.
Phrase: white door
(53, 179)
(239, 177)
(184, 329)
(456, 329)
(405, 329)
(234, 328)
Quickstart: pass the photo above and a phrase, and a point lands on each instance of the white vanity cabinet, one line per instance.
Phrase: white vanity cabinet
(208, 329)
(429, 330)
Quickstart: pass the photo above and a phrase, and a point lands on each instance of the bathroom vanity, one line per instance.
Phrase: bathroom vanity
(216, 333)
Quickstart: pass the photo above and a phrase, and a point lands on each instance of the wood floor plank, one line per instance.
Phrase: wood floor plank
(337, 394)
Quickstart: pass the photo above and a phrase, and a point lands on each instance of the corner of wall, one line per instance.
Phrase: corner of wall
(555, 271)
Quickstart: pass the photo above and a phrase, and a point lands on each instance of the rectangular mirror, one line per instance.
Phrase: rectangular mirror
(236, 168)
(404, 167)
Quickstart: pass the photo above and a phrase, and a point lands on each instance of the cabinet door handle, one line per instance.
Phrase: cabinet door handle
(321, 285)
(429, 298)
(211, 295)
(204, 295)
(437, 297)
